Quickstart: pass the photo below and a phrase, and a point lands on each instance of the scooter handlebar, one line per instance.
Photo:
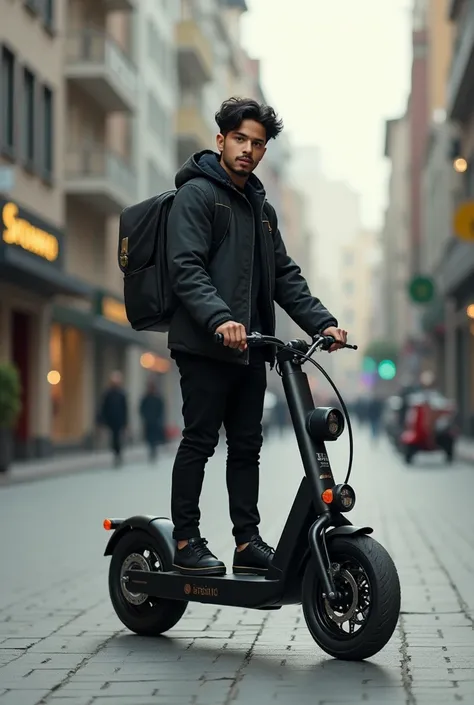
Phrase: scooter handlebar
(329, 340)
(253, 339)
(256, 339)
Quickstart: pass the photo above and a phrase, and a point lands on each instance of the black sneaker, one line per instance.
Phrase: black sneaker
(196, 559)
(256, 558)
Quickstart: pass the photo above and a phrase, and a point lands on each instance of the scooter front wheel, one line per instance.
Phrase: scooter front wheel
(363, 620)
(141, 613)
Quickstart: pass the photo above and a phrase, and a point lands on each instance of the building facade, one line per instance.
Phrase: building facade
(33, 243)
(357, 285)
(69, 87)
(196, 58)
(395, 236)
(457, 272)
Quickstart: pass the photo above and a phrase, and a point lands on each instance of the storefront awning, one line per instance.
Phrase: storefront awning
(109, 329)
(101, 326)
(38, 275)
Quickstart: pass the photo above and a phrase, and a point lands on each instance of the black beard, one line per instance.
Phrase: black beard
(237, 172)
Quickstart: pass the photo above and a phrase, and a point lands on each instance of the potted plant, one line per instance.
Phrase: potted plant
(10, 408)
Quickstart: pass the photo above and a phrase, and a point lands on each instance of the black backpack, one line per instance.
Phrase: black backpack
(148, 296)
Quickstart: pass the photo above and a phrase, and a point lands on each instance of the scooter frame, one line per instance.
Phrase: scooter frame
(310, 527)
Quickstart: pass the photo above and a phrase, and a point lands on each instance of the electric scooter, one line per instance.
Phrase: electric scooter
(345, 580)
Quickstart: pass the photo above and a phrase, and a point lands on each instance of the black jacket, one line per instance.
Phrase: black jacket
(216, 291)
(114, 410)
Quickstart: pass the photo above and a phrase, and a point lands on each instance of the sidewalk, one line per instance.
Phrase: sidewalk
(67, 464)
(465, 450)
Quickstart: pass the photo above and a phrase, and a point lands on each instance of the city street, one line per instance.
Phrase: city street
(61, 643)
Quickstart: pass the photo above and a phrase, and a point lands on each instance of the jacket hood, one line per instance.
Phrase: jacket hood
(206, 164)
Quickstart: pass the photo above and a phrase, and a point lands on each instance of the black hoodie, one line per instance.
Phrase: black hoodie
(208, 163)
(213, 290)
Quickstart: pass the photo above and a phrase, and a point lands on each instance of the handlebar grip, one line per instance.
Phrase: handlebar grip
(329, 340)
(218, 338)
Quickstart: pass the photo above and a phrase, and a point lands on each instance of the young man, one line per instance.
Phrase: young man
(231, 291)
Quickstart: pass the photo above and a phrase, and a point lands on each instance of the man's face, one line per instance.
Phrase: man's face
(243, 148)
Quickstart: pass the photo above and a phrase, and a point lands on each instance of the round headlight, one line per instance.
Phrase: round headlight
(334, 424)
(344, 497)
(325, 424)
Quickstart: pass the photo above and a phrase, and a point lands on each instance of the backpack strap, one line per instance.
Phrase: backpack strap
(222, 212)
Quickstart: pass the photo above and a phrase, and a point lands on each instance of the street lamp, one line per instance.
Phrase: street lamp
(460, 165)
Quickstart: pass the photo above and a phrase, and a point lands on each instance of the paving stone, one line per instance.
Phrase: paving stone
(66, 632)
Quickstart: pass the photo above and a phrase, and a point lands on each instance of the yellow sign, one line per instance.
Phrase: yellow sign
(114, 311)
(464, 221)
(22, 233)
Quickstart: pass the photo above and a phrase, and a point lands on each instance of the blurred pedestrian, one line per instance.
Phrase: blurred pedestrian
(374, 416)
(152, 412)
(281, 415)
(114, 414)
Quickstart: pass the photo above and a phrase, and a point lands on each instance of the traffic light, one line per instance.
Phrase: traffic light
(387, 369)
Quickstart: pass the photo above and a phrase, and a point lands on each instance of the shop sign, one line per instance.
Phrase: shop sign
(463, 223)
(20, 232)
(114, 311)
(421, 290)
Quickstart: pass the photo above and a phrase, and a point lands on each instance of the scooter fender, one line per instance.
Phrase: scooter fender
(348, 530)
(343, 530)
(160, 530)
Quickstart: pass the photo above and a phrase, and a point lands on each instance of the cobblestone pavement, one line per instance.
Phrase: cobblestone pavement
(61, 643)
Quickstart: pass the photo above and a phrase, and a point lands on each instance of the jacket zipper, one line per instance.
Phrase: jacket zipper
(272, 310)
(247, 352)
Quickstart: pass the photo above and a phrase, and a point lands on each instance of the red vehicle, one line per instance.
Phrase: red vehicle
(429, 425)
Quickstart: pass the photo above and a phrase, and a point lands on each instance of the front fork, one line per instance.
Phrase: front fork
(319, 550)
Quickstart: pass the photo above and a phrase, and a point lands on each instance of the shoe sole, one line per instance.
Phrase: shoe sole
(247, 570)
(199, 571)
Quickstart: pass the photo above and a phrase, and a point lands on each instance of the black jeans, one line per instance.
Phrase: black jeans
(116, 441)
(216, 393)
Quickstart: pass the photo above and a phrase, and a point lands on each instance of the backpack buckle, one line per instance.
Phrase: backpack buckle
(124, 252)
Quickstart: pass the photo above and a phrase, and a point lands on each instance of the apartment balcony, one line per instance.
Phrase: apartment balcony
(192, 130)
(460, 88)
(100, 179)
(97, 64)
(195, 57)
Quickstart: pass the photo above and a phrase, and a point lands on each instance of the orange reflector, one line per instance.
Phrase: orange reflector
(107, 524)
(327, 496)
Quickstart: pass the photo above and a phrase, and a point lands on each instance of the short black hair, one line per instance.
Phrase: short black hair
(234, 110)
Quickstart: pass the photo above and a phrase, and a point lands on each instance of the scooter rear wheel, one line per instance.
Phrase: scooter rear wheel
(364, 619)
(141, 613)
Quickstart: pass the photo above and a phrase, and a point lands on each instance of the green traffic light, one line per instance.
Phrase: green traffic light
(387, 369)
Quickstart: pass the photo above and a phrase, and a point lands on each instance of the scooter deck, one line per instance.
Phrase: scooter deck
(232, 590)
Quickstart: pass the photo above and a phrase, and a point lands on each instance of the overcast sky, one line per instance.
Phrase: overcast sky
(335, 70)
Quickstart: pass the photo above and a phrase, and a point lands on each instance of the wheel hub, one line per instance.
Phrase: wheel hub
(135, 561)
(346, 606)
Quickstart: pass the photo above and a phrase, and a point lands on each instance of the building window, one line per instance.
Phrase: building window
(48, 108)
(8, 101)
(29, 117)
(48, 13)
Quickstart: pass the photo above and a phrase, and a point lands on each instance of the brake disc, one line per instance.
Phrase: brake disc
(351, 610)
